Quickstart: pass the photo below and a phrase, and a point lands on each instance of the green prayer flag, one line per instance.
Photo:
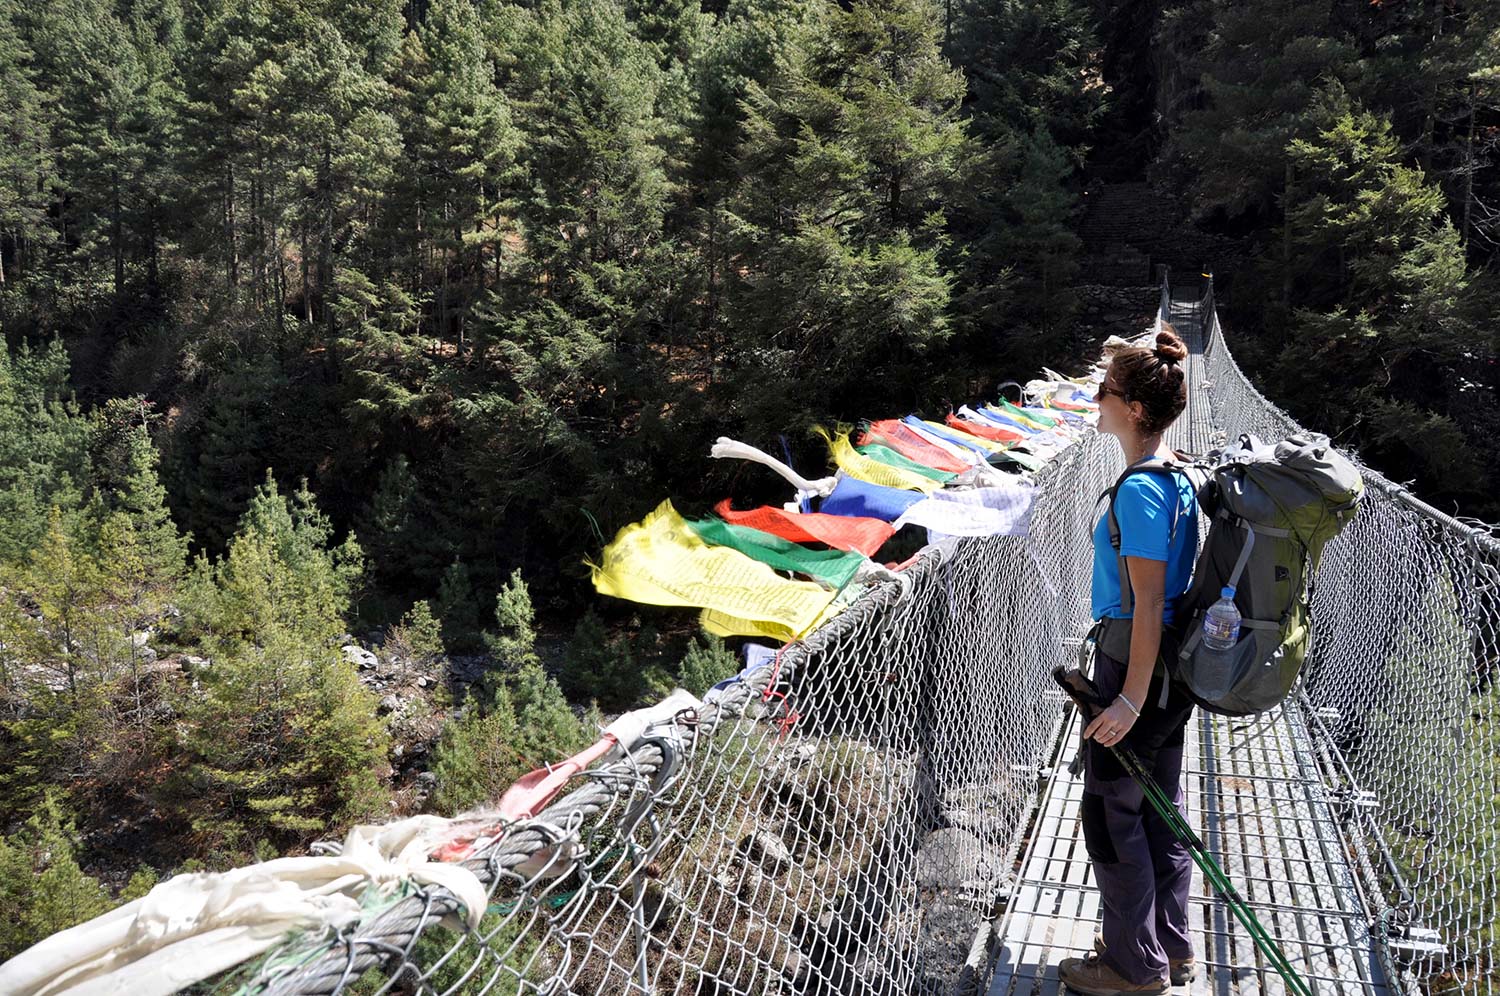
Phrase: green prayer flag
(833, 567)
(889, 457)
(1046, 420)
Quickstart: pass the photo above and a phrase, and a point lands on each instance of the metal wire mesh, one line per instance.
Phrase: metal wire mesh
(847, 824)
(1399, 691)
(848, 835)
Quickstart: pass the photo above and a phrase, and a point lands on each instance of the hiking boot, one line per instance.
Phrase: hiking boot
(1181, 971)
(1091, 977)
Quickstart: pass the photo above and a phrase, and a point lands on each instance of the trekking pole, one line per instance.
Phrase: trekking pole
(1085, 697)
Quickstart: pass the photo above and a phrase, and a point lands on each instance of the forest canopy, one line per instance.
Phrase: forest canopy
(328, 316)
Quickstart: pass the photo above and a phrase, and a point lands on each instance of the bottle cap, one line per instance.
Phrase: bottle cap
(1228, 591)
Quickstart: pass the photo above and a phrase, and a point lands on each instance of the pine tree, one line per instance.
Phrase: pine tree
(26, 155)
(601, 667)
(343, 146)
(242, 426)
(42, 889)
(1032, 113)
(1260, 63)
(515, 645)
(103, 134)
(1027, 66)
(1380, 274)
(142, 501)
(848, 157)
(44, 447)
(292, 145)
(706, 663)
(574, 389)
(458, 608)
(460, 153)
(525, 724)
(142, 559)
(402, 542)
(743, 50)
(69, 657)
(283, 739)
(415, 643)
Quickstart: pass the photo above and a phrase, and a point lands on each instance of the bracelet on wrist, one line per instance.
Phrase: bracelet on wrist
(1134, 709)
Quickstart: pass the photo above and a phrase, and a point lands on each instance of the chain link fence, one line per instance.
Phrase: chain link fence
(1400, 693)
(844, 827)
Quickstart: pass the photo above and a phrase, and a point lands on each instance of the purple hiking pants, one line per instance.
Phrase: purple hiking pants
(1143, 872)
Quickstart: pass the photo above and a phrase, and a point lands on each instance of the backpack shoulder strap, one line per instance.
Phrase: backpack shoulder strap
(1161, 468)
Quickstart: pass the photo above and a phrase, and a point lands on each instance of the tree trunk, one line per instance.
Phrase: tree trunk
(458, 240)
(229, 234)
(443, 285)
(1286, 236)
(1468, 172)
(278, 274)
(1429, 113)
(307, 314)
(258, 236)
(325, 249)
(153, 255)
(117, 235)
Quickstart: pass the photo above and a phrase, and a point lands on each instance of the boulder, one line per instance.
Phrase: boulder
(989, 812)
(767, 852)
(360, 657)
(951, 858)
(138, 642)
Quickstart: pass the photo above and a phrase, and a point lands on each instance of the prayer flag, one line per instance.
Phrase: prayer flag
(844, 532)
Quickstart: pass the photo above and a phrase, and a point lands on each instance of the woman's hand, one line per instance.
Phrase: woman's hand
(1111, 725)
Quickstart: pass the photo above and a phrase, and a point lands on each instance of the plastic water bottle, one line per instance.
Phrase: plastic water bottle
(1221, 624)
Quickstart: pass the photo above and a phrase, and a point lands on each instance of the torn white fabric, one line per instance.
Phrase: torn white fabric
(534, 790)
(629, 728)
(991, 511)
(730, 449)
(193, 926)
(982, 477)
(870, 572)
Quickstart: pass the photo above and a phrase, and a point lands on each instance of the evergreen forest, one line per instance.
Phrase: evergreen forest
(339, 334)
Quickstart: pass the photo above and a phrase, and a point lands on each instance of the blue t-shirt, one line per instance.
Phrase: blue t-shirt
(1153, 527)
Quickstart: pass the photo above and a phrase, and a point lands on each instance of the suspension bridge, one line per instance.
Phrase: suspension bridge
(886, 806)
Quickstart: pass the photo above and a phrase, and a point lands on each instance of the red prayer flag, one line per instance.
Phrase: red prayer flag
(911, 445)
(992, 432)
(843, 532)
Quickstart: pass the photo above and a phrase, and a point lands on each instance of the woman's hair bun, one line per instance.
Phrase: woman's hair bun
(1169, 348)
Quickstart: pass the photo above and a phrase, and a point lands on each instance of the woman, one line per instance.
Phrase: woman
(1143, 872)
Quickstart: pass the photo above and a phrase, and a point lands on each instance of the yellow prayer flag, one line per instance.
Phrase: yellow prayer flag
(856, 464)
(661, 561)
(723, 624)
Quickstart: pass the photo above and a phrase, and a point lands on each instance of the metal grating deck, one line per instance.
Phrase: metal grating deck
(1253, 795)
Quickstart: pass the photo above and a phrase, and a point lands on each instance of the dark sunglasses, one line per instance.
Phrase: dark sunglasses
(1110, 390)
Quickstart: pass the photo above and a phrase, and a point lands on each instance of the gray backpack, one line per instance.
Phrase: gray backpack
(1271, 509)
